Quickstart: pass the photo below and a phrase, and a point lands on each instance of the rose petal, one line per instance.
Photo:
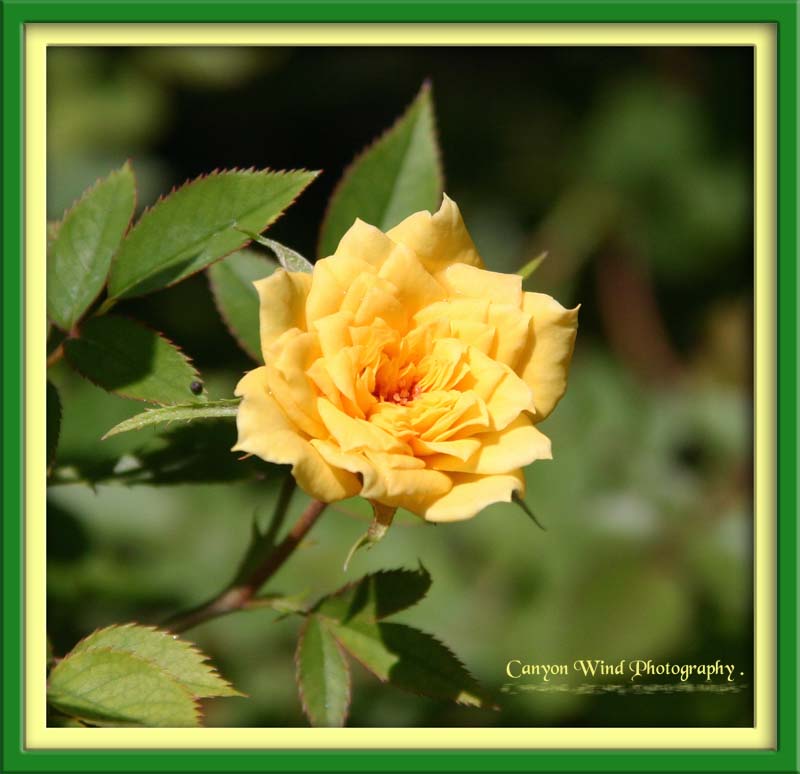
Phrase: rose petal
(366, 243)
(355, 434)
(282, 300)
(471, 494)
(399, 481)
(331, 279)
(503, 392)
(513, 326)
(286, 379)
(265, 431)
(544, 362)
(459, 279)
(516, 446)
(439, 239)
(416, 288)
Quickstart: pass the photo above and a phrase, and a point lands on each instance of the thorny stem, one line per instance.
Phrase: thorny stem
(239, 595)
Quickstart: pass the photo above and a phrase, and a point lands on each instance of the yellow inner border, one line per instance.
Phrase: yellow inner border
(759, 36)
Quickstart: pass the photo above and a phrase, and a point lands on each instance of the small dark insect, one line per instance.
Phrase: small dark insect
(196, 387)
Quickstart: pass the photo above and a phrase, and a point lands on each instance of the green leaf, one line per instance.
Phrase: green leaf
(379, 526)
(231, 283)
(289, 259)
(323, 676)
(396, 176)
(517, 500)
(376, 596)
(199, 452)
(186, 412)
(80, 252)
(131, 360)
(198, 224)
(53, 422)
(531, 266)
(115, 688)
(57, 720)
(409, 659)
(179, 659)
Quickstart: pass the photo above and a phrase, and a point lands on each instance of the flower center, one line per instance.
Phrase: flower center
(403, 394)
(397, 379)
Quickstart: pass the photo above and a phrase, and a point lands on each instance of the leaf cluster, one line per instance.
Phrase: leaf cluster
(351, 622)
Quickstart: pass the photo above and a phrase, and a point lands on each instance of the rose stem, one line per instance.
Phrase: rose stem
(237, 596)
(55, 355)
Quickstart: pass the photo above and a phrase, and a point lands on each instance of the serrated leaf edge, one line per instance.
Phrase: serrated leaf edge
(169, 341)
(425, 89)
(196, 706)
(70, 210)
(193, 181)
(121, 427)
(341, 591)
(387, 681)
(299, 682)
(205, 659)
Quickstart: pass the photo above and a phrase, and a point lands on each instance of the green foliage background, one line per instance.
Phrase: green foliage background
(632, 167)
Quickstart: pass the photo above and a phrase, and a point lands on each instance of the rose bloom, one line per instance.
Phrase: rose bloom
(403, 371)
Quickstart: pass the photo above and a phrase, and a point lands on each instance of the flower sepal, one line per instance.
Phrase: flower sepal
(381, 521)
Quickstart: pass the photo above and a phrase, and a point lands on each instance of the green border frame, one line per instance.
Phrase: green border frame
(16, 13)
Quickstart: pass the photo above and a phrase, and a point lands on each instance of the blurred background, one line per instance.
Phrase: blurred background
(632, 167)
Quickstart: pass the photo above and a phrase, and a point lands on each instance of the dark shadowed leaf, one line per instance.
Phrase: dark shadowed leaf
(409, 659)
(376, 596)
(199, 452)
(53, 422)
(133, 361)
(399, 174)
(323, 676)
(80, 248)
(198, 224)
(231, 283)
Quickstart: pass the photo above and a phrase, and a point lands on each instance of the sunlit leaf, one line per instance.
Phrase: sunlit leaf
(81, 247)
(187, 412)
(289, 259)
(323, 676)
(133, 361)
(115, 688)
(198, 224)
(399, 174)
(178, 658)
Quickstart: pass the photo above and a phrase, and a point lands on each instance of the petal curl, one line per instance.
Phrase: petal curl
(265, 431)
(518, 445)
(282, 304)
(544, 362)
(471, 494)
(439, 239)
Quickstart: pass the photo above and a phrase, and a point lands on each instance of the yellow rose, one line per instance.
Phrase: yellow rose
(402, 371)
